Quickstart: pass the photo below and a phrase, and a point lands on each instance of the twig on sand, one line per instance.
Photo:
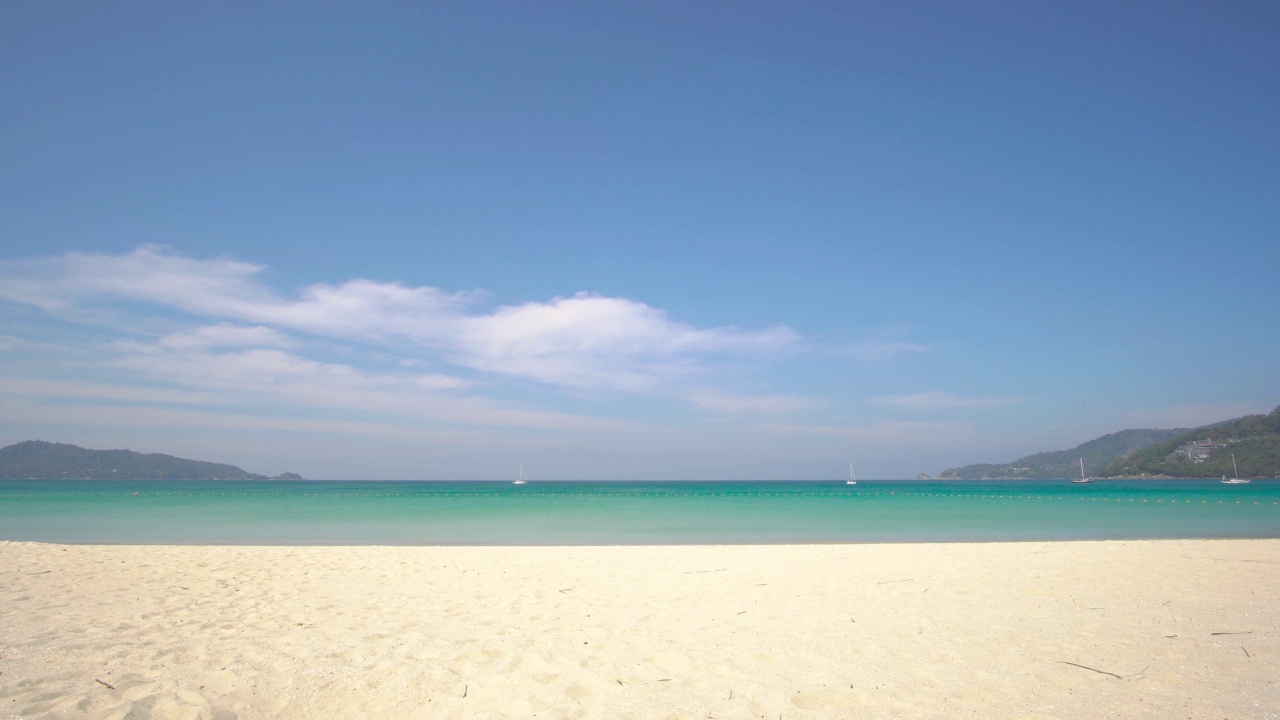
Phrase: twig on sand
(107, 684)
(1246, 652)
(565, 590)
(1246, 632)
(886, 582)
(691, 572)
(42, 572)
(1086, 667)
(465, 688)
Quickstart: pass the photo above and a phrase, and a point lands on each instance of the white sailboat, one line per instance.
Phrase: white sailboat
(520, 478)
(853, 478)
(1082, 478)
(1235, 471)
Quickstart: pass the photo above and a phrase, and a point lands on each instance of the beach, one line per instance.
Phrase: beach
(1148, 628)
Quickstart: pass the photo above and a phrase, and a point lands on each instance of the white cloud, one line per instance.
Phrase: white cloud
(205, 343)
(589, 341)
(585, 341)
(373, 311)
(936, 400)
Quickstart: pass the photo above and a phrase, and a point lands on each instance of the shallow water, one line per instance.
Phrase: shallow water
(597, 513)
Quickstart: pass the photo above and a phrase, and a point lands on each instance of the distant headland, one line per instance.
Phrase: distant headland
(40, 460)
(1253, 440)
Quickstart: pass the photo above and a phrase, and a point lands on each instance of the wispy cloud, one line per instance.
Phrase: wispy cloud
(886, 344)
(143, 417)
(936, 400)
(9, 343)
(226, 335)
(753, 405)
(87, 391)
(899, 433)
(886, 349)
(151, 273)
(587, 341)
(267, 378)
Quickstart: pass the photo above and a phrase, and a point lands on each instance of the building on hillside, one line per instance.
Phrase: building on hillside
(1197, 451)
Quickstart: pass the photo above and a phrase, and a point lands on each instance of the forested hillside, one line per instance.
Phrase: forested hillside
(36, 459)
(1253, 439)
(1097, 453)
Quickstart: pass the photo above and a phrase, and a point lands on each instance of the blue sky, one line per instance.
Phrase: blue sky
(728, 240)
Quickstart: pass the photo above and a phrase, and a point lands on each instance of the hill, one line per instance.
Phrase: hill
(1207, 451)
(1097, 453)
(37, 459)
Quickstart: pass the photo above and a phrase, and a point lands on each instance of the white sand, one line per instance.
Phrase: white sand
(829, 631)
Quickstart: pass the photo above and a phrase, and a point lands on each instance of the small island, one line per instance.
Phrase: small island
(41, 460)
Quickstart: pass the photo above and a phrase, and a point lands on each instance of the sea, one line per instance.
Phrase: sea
(370, 512)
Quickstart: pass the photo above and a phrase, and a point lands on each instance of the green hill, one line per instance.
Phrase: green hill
(1066, 463)
(37, 459)
(1253, 439)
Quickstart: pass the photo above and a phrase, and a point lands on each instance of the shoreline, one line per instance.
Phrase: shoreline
(1056, 629)
(561, 481)
(583, 514)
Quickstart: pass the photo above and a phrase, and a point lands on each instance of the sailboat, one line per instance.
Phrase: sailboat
(853, 479)
(1082, 478)
(1235, 471)
(520, 479)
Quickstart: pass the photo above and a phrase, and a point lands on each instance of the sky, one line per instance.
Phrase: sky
(654, 240)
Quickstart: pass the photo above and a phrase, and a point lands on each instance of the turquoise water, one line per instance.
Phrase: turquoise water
(580, 513)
